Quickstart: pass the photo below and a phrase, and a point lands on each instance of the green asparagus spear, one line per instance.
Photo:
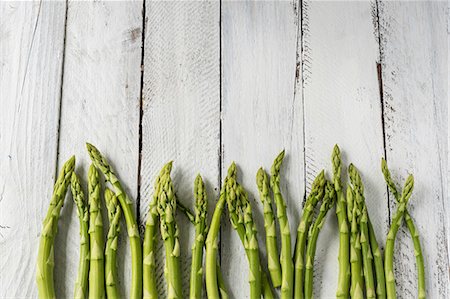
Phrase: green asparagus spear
(412, 230)
(166, 207)
(81, 284)
(201, 206)
(191, 217)
(114, 215)
(242, 221)
(273, 260)
(344, 236)
(368, 260)
(221, 283)
(213, 285)
(379, 264)
(127, 207)
(327, 204)
(366, 250)
(316, 194)
(45, 261)
(150, 289)
(97, 266)
(287, 265)
(395, 225)
(357, 279)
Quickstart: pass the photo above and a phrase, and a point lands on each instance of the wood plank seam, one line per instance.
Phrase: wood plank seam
(61, 94)
(141, 223)
(376, 22)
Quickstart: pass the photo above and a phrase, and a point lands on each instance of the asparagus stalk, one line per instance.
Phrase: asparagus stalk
(166, 207)
(149, 266)
(221, 283)
(412, 230)
(45, 261)
(191, 217)
(327, 204)
(344, 236)
(127, 207)
(213, 282)
(378, 261)
(242, 221)
(81, 284)
(368, 260)
(317, 190)
(357, 279)
(114, 215)
(366, 250)
(395, 225)
(201, 206)
(273, 261)
(97, 266)
(287, 265)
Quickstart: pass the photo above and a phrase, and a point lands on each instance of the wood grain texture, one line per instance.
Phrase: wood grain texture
(223, 82)
(32, 41)
(414, 60)
(181, 109)
(100, 104)
(342, 105)
(261, 115)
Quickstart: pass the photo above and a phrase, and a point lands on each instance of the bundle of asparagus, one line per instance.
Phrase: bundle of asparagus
(362, 270)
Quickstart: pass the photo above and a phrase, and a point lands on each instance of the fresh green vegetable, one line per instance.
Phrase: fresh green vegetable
(242, 221)
(379, 264)
(214, 284)
(167, 205)
(127, 207)
(316, 194)
(287, 265)
(366, 250)
(357, 279)
(150, 236)
(114, 215)
(344, 236)
(81, 284)
(201, 206)
(327, 204)
(412, 230)
(273, 260)
(96, 240)
(46, 259)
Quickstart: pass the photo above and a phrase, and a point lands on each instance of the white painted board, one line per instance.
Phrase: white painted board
(31, 47)
(414, 59)
(222, 82)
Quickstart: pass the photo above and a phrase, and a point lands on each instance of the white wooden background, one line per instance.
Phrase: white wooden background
(206, 83)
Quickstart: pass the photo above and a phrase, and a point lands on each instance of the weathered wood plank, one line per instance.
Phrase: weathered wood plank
(261, 115)
(181, 109)
(414, 61)
(100, 104)
(32, 41)
(342, 105)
